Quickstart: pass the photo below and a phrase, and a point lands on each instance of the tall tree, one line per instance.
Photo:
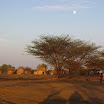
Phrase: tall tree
(62, 51)
(51, 49)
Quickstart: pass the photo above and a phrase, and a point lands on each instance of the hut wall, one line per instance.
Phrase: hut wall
(40, 72)
(10, 72)
(20, 71)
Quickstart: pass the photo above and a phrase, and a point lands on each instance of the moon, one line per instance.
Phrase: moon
(74, 12)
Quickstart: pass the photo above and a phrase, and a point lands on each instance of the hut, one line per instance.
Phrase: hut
(10, 71)
(41, 70)
(20, 71)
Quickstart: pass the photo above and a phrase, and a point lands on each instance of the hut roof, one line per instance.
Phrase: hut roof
(41, 68)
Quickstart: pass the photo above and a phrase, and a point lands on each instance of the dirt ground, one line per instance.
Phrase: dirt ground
(51, 91)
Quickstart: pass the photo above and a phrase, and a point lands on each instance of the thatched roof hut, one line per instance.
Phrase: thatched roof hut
(41, 70)
(11, 71)
(20, 70)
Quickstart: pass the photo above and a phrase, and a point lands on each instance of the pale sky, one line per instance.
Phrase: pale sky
(22, 21)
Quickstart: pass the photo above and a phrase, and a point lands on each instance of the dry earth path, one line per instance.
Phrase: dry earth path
(51, 92)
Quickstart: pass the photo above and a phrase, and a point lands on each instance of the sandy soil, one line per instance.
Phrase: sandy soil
(51, 91)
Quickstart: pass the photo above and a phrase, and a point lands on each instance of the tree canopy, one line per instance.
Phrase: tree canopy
(63, 52)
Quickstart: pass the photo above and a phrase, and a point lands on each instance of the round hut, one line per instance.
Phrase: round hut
(41, 70)
(20, 71)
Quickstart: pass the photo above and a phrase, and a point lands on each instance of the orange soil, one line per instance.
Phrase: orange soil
(51, 91)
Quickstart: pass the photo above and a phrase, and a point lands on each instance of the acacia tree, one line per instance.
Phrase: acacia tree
(96, 64)
(51, 49)
(62, 51)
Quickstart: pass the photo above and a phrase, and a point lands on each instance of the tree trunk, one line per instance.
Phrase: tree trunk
(69, 75)
(58, 75)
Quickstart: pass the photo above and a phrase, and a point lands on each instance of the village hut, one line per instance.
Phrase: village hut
(41, 70)
(10, 71)
(20, 71)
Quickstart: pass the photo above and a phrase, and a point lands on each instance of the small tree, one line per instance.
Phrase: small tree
(4, 68)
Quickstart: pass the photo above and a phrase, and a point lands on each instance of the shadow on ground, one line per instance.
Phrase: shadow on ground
(75, 98)
(51, 99)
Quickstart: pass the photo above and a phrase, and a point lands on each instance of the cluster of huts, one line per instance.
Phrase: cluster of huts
(18, 71)
(41, 70)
